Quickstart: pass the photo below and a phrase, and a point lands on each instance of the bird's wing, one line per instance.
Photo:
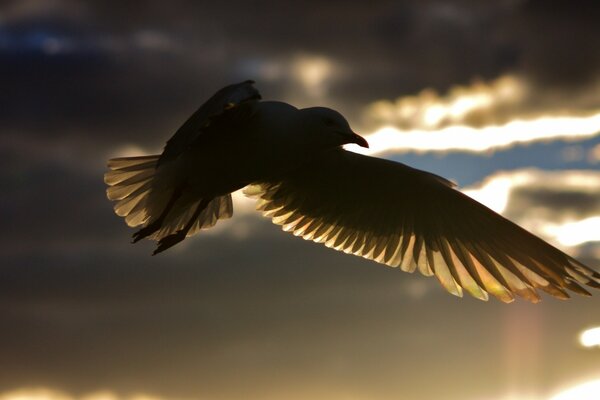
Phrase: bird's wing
(224, 100)
(399, 216)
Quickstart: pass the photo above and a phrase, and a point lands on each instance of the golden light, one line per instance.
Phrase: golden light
(586, 391)
(49, 394)
(434, 114)
(100, 396)
(478, 118)
(429, 110)
(495, 190)
(562, 226)
(576, 232)
(467, 138)
(312, 72)
(34, 394)
(590, 338)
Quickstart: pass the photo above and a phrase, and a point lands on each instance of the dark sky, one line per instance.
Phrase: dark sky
(246, 311)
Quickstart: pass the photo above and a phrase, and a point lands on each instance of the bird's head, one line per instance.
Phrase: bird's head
(331, 127)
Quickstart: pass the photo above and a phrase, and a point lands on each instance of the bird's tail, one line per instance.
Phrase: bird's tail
(143, 198)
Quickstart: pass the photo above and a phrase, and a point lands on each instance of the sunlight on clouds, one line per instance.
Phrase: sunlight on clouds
(529, 196)
(34, 394)
(586, 391)
(304, 78)
(476, 118)
(516, 397)
(495, 190)
(466, 138)
(312, 72)
(49, 394)
(590, 338)
(576, 232)
(429, 110)
(100, 396)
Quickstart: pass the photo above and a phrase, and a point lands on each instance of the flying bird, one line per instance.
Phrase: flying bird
(292, 161)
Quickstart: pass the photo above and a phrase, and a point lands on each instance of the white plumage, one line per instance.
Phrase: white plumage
(292, 161)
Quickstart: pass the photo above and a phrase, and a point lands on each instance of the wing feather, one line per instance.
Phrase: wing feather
(402, 217)
(225, 99)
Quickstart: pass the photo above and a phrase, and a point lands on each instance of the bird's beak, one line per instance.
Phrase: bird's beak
(359, 140)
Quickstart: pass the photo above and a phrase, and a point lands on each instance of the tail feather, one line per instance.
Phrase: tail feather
(121, 178)
(129, 181)
(133, 163)
(121, 192)
(219, 208)
(131, 184)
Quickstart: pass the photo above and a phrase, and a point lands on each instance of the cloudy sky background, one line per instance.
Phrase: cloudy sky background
(502, 97)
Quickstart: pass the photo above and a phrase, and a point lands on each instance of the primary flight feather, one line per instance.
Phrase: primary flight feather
(293, 162)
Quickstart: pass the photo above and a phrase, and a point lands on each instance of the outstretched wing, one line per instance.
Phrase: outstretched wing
(399, 216)
(225, 99)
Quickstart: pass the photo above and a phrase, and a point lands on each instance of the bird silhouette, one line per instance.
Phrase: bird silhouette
(292, 161)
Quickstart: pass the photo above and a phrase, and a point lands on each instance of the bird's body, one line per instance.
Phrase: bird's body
(292, 160)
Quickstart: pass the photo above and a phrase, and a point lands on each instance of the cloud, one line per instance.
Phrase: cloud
(562, 56)
(115, 73)
(12, 10)
(585, 391)
(489, 138)
(590, 337)
(594, 154)
(303, 79)
(478, 104)
(480, 117)
(559, 206)
(246, 311)
(576, 232)
(49, 394)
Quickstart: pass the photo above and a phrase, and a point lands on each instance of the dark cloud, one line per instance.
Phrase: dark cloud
(259, 318)
(559, 41)
(571, 202)
(228, 315)
(126, 72)
(554, 195)
(223, 316)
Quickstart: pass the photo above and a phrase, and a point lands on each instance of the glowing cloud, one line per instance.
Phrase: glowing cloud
(478, 118)
(304, 77)
(590, 338)
(466, 138)
(34, 394)
(494, 190)
(478, 103)
(529, 197)
(312, 72)
(586, 391)
(576, 232)
(49, 394)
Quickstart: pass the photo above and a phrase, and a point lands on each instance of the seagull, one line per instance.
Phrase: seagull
(292, 161)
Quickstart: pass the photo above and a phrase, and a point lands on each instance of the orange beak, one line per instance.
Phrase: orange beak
(361, 141)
